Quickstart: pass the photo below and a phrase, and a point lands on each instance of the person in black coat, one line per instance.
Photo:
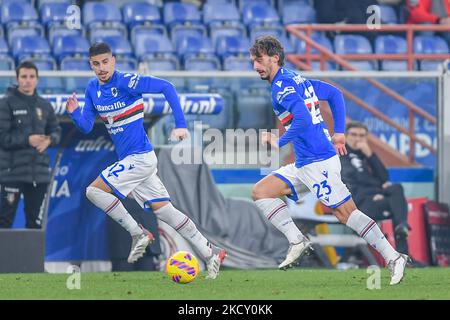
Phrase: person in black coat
(28, 126)
(368, 180)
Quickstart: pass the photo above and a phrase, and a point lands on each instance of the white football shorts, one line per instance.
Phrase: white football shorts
(136, 175)
(322, 178)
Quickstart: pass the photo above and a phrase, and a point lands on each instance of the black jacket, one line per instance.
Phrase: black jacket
(363, 176)
(20, 117)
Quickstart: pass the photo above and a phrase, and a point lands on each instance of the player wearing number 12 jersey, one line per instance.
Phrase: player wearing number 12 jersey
(117, 99)
(317, 166)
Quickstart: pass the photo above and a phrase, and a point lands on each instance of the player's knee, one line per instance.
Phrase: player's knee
(258, 192)
(92, 193)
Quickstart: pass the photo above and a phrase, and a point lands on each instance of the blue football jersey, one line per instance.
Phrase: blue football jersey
(296, 104)
(120, 105)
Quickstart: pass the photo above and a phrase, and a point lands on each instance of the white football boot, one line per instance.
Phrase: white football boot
(139, 244)
(214, 262)
(295, 253)
(397, 268)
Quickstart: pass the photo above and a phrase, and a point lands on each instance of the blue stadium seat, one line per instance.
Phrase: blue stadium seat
(40, 3)
(29, 46)
(259, 14)
(4, 49)
(137, 13)
(298, 13)
(388, 14)
(101, 32)
(254, 109)
(103, 12)
(179, 32)
(18, 31)
(428, 45)
(126, 64)
(118, 43)
(18, 12)
(354, 44)
(162, 63)
(300, 45)
(56, 31)
(232, 46)
(221, 13)
(243, 3)
(202, 64)
(237, 64)
(7, 64)
(77, 84)
(217, 31)
(180, 13)
(391, 44)
(193, 46)
(53, 13)
(150, 43)
(70, 46)
(258, 31)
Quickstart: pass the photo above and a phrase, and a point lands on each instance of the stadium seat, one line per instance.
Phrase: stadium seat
(429, 45)
(220, 13)
(244, 3)
(126, 64)
(232, 46)
(48, 85)
(180, 14)
(56, 31)
(150, 43)
(354, 44)
(102, 12)
(217, 31)
(6, 63)
(258, 31)
(137, 13)
(19, 31)
(202, 64)
(254, 109)
(179, 32)
(29, 46)
(293, 13)
(237, 64)
(259, 15)
(190, 46)
(118, 43)
(18, 12)
(77, 84)
(161, 63)
(101, 32)
(300, 45)
(70, 46)
(40, 3)
(53, 12)
(388, 14)
(4, 49)
(391, 44)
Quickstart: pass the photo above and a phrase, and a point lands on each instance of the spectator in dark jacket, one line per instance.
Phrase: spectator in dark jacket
(28, 126)
(368, 180)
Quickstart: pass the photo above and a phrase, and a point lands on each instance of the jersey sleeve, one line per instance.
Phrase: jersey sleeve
(335, 98)
(289, 98)
(84, 118)
(137, 84)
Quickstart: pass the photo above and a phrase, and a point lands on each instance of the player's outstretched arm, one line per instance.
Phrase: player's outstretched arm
(83, 120)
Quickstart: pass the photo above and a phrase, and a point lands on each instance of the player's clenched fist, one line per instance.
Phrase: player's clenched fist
(72, 103)
(339, 143)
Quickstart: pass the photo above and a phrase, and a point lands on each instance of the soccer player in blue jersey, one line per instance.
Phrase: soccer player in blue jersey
(116, 98)
(317, 167)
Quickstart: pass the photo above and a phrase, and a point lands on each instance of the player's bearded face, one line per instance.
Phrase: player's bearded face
(263, 66)
(103, 66)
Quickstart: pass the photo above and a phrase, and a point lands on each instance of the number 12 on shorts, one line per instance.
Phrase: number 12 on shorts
(322, 189)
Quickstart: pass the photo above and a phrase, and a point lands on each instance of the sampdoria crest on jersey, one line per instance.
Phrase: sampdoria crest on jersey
(114, 91)
(283, 94)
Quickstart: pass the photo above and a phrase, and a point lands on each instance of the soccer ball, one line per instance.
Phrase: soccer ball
(182, 267)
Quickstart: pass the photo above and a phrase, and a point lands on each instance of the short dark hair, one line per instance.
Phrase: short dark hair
(26, 64)
(99, 48)
(268, 45)
(356, 124)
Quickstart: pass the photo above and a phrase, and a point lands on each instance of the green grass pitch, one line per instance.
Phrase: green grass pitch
(426, 283)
